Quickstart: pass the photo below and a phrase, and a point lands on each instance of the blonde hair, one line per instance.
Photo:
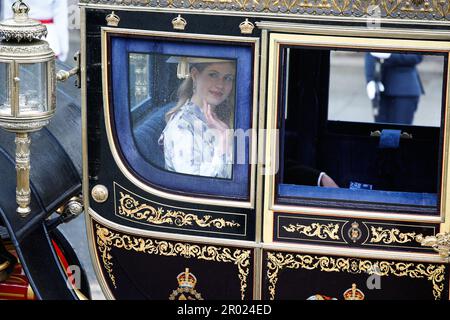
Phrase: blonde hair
(186, 90)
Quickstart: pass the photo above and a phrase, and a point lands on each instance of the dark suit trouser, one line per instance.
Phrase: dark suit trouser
(397, 109)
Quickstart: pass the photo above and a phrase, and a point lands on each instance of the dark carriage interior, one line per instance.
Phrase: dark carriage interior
(348, 151)
(148, 113)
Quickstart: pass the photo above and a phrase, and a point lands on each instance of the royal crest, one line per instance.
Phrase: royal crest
(246, 27)
(179, 23)
(112, 19)
(355, 232)
(186, 284)
(353, 293)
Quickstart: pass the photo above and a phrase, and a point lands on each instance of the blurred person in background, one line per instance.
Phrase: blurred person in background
(393, 80)
(52, 13)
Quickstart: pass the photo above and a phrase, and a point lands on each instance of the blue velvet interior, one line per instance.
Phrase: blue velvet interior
(390, 138)
(394, 197)
(139, 159)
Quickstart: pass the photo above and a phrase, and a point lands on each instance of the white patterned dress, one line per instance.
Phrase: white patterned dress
(191, 147)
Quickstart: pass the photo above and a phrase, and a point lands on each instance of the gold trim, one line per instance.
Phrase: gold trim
(277, 261)
(88, 219)
(131, 208)
(354, 31)
(445, 182)
(4, 265)
(119, 162)
(95, 258)
(171, 236)
(117, 186)
(356, 214)
(321, 231)
(388, 236)
(361, 253)
(106, 239)
(305, 248)
(389, 10)
(340, 224)
(259, 119)
(440, 243)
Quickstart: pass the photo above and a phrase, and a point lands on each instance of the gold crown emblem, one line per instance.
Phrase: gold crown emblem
(186, 279)
(112, 19)
(179, 23)
(246, 27)
(353, 293)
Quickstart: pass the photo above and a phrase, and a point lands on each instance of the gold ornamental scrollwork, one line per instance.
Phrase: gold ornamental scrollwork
(318, 230)
(107, 239)
(276, 262)
(131, 208)
(420, 10)
(389, 236)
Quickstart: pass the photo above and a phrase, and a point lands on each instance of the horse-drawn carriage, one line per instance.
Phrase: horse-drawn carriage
(230, 151)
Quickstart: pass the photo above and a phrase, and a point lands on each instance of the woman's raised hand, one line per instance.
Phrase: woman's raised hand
(211, 118)
(221, 128)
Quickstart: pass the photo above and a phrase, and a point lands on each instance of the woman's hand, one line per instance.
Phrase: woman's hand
(221, 128)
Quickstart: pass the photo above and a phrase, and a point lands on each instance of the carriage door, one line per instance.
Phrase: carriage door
(357, 202)
(171, 208)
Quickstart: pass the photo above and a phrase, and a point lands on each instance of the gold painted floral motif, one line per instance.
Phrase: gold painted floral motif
(318, 230)
(276, 262)
(388, 236)
(106, 239)
(395, 9)
(131, 208)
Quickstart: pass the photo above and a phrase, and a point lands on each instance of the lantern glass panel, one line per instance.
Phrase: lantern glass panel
(33, 88)
(5, 89)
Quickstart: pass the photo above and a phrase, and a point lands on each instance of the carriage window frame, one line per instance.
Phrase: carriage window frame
(248, 44)
(301, 203)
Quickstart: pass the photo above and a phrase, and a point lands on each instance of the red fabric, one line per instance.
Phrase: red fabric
(63, 261)
(46, 21)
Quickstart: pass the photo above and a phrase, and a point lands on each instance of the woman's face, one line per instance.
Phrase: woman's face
(214, 83)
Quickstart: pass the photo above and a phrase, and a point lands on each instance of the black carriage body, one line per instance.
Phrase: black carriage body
(257, 235)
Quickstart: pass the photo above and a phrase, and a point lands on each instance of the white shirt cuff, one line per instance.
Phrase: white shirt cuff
(320, 178)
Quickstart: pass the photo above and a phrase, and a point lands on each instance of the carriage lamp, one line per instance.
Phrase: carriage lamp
(27, 89)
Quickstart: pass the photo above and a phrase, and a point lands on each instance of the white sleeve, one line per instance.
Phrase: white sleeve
(180, 149)
(61, 21)
(319, 180)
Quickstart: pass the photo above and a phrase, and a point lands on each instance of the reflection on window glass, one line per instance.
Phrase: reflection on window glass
(5, 98)
(32, 88)
(361, 127)
(139, 77)
(185, 126)
(403, 88)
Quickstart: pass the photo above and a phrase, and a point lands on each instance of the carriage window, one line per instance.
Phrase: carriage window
(189, 115)
(361, 128)
(174, 108)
